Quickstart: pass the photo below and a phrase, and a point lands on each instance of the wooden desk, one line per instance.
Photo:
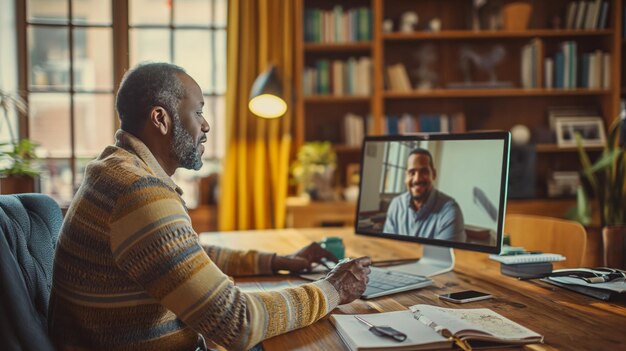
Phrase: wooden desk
(567, 320)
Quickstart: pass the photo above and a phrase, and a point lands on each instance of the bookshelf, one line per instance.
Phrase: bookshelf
(320, 116)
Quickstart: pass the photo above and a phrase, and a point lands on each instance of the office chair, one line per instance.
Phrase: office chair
(547, 234)
(30, 225)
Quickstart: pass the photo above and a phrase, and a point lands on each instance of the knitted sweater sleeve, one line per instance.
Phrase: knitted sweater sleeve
(240, 263)
(153, 242)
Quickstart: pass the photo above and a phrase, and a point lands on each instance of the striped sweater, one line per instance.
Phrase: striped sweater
(129, 272)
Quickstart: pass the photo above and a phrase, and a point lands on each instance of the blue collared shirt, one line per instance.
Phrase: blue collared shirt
(439, 218)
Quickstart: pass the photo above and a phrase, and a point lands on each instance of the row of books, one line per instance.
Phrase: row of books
(338, 25)
(398, 78)
(529, 62)
(587, 14)
(352, 77)
(425, 123)
(567, 71)
(354, 129)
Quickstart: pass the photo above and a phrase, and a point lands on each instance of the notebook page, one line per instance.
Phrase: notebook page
(360, 336)
(482, 319)
(527, 258)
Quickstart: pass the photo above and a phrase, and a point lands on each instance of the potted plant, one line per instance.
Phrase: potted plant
(313, 170)
(606, 180)
(17, 173)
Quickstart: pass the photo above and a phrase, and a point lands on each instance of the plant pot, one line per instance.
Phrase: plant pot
(17, 185)
(516, 15)
(613, 242)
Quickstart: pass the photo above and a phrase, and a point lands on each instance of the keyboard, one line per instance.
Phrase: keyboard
(384, 282)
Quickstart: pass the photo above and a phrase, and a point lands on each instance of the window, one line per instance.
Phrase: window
(75, 55)
(394, 163)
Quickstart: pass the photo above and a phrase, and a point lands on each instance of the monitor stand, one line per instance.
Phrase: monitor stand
(435, 260)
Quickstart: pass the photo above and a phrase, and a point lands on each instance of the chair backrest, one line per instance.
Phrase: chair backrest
(30, 225)
(547, 234)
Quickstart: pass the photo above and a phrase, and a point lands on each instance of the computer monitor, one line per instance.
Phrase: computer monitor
(441, 190)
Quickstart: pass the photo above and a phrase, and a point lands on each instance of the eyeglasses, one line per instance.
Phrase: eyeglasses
(591, 275)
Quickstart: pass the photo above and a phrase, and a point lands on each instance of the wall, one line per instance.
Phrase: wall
(465, 165)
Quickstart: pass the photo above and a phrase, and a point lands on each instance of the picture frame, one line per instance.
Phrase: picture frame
(590, 128)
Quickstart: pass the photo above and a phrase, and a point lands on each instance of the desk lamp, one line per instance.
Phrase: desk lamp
(266, 95)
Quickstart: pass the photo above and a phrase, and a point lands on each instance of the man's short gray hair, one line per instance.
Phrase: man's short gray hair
(144, 87)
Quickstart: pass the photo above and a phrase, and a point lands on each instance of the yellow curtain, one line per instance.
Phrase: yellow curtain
(254, 179)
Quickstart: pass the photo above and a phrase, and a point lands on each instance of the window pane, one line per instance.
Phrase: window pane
(93, 59)
(47, 11)
(49, 57)
(192, 12)
(220, 61)
(49, 118)
(81, 164)
(214, 111)
(56, 179)
(91, 11)
(149, 45)
(221, 15)
(93, 123)
(149, 12)
(192, 51)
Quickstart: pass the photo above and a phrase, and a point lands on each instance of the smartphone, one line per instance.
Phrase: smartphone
(465, 296)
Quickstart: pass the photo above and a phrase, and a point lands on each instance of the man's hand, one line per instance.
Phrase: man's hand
(303, 259)
(350, 278)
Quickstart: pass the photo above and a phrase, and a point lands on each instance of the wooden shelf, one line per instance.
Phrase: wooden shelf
(554, 148)
(453, 93)
(469, 34)
(322, 99)
(338, 47)
(481, 107)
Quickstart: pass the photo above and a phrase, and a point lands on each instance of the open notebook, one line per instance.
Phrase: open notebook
(431, 327)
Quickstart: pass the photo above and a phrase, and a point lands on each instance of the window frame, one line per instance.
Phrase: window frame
(120, 60)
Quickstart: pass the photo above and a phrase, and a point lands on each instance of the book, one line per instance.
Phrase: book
(526, 270)
(527, 258)
(601, 294)
(430, 327)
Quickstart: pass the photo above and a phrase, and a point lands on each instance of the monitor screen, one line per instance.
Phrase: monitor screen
(438, 189)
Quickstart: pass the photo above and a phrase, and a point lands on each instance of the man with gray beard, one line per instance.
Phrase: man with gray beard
(129, 271)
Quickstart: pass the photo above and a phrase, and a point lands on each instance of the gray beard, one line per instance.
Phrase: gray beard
(184, 148)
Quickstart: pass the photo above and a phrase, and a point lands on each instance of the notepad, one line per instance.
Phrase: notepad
(527, 258)
(431, 327)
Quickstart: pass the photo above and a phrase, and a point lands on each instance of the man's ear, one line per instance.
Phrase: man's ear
(160, 119)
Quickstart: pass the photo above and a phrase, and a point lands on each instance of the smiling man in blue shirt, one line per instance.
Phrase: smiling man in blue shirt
(424, 211)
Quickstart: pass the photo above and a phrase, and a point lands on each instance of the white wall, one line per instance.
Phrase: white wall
(468, 164)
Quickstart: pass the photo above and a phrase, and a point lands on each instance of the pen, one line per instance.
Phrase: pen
(328, 264)
(383, 330)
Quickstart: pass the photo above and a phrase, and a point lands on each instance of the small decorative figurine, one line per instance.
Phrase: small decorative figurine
(409, 22)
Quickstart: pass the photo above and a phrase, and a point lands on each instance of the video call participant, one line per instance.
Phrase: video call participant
(424, 211)
(129, 271)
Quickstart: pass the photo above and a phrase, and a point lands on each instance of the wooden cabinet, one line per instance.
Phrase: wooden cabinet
(311, 214)
(320, 114)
